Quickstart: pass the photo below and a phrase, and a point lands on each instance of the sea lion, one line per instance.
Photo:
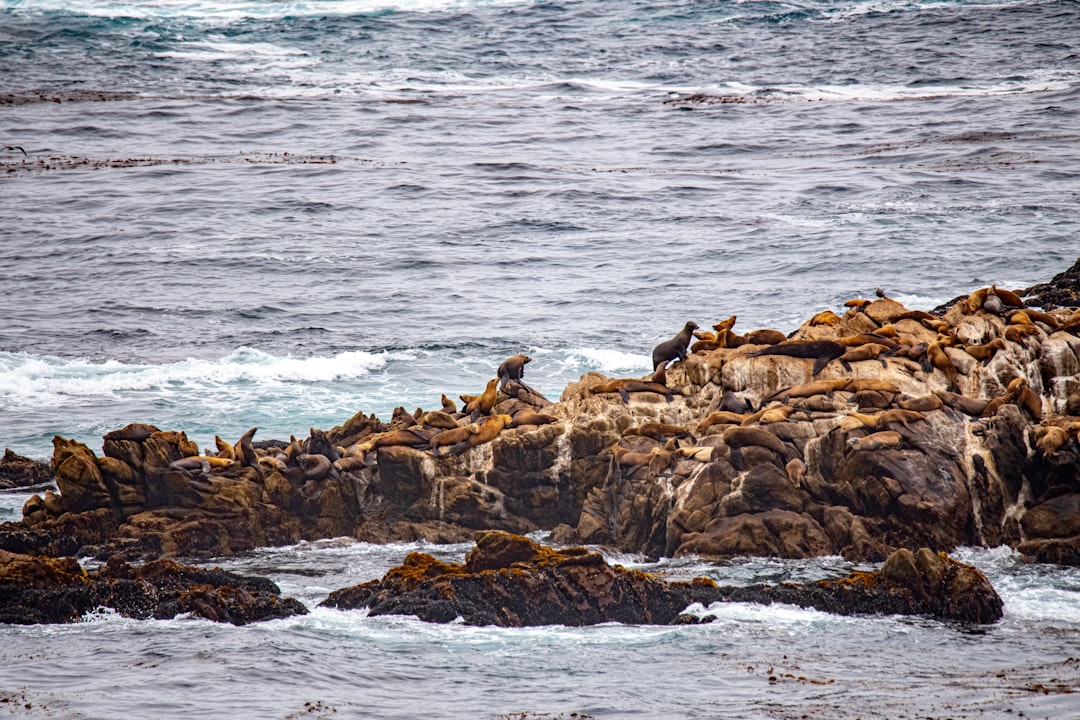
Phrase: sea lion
(485, 401)
(975, 300)
(528, 416)
(486, 431)
(796, 471)
(675, 347)
(823, 351)
(737, 438)
(1017, 333)
(659, 375)
(438, 419)
(720, 417)
(969, 406)
(225, 450)
(816, 387)
(1032, 314)
(1008, 297)
(656, 459)
(351, 463)
(884, 440)
(659, 431)
(858, 385)
(867, 338)
(1051, 439)
(899, 415)
(412, 436)
(940, 360)
(451, 437)
(986, 351)
(857, 304)
(706, 341)
(448, 405)
(992, 303)
(402, 418)
(870, 351)
(764, 336)
(512, 368)
(732, 403)
(1020, 394)
(700, 454)
(825, 317)
(925, 403)
(625, 386)
(247, 456)
(772, 413)
(136, 432)
(316, 467)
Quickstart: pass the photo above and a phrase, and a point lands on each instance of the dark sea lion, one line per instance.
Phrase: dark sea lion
(659, 374)
(247, 456)
(992, 303)
(962, 403)
(866, 338)
(675, 347)
(512, 368)
(659, 431)
(822, 351)
(730, 402)
(737, 438)
(316, 467)
(136, 432)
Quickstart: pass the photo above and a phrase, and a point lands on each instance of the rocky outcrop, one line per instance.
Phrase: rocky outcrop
(17, 471)
(512, 581)
(864, 432)
(50, 590)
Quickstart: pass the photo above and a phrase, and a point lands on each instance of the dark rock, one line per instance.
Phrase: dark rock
(17, 471)
(512, 581)
(50, 590)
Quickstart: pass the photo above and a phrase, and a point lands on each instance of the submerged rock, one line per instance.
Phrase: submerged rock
(511, 581)
(58, 590)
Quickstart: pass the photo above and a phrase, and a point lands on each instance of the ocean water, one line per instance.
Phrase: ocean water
(222, 214)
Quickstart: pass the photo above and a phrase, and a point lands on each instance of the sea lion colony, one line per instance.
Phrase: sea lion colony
(867, 428)
(921, 342)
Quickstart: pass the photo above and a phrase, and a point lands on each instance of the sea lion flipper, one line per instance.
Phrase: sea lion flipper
(625, 395)
(820, 363)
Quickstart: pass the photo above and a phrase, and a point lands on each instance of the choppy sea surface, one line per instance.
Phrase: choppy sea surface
(221, 214)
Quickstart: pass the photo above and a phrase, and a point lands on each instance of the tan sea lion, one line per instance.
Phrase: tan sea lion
(796, 471)
(247, 456)
(816, 387)
(438, 419)
(316, 467)
(485, 402)
(448, 405)
(940, 360)
(925, 403)
(962, 403)
(986, 351)
(659, 431)
(870, 351)
(1051, 440)
(486, 431)
(764, 336)
(225, 450)
(720, 417)
(528, 416)
(884, 440)
(867, 338)
(674, 347)
(825, 317)
(858, 385)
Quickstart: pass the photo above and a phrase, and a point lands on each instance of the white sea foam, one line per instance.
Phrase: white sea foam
(28, 381)
(607, 360)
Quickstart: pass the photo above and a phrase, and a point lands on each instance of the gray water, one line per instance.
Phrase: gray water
(277, 214)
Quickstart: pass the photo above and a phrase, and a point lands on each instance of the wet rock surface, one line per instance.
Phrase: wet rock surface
(865, 431)
(511, 581)
(58, 590)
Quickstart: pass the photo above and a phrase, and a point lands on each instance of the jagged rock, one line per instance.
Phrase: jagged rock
(50, 590)
(512, 581)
